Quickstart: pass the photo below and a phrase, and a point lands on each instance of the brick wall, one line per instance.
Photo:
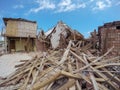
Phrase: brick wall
(109, 35)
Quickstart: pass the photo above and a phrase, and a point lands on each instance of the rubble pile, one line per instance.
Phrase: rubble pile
(67, 61)
(72, 68)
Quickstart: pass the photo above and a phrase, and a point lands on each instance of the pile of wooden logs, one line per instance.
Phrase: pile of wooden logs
(74, 68)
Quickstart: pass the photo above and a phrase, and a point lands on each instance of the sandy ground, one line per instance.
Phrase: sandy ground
(8, 62)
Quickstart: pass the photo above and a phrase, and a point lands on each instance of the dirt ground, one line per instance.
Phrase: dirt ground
(8, 62)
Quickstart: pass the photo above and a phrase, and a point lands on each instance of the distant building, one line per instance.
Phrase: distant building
(19, 34)
(109, 35)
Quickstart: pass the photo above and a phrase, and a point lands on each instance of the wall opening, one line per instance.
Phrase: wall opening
(117, 27)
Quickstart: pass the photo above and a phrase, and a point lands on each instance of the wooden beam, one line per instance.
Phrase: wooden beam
(70, 75)
(65, 54)
(39, 85)
(106, 79)
(96, 60)
(91, 75)
(78, 85)
(70, 83)
(109, 64)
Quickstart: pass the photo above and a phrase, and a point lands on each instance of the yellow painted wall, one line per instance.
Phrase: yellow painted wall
(20, 45)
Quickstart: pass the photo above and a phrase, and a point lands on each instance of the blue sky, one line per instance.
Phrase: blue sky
(81, 15)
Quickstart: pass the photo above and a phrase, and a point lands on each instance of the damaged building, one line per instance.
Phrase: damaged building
(109, 35)
(66, 61)
(19, 34)
(58, 37)
(61, 34)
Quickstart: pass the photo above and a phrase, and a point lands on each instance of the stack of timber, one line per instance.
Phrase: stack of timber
(74, 68)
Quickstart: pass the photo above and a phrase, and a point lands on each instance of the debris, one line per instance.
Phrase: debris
(67, 61)
(72, 70)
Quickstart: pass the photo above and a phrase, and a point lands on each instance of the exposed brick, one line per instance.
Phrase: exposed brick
(109, 35)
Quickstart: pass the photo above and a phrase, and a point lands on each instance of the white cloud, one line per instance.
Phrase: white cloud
(68, 5)
(61, 6)
(43, 4)
(102, 4)
(18, 6)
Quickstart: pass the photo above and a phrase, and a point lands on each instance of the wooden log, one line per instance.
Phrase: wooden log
(103, 77)
(99, 79)
(94, 82)
(91, 75)
(79, 44)
(102, 87)
(74, 54)
(85, 78)
(78, 85)
(70, 75)
(19, 65)
(96, 60)
(36, 74)
(26, 81)
(49, 86)
(65, 54)
(29, 74)
(110, 75)
(39, 85)
(72, 87)
(114, 59)
(70, 67)
(67, 85)
(86, 47)
(106, 79)
(24, 60)
(109, 64)
(44, 72)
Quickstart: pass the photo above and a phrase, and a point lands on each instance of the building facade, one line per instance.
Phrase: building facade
(19, 34)
(109, 35)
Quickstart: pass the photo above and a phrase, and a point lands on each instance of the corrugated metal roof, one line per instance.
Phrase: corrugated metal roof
(17, 19)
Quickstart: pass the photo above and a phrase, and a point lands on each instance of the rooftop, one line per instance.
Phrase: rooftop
(17, 19)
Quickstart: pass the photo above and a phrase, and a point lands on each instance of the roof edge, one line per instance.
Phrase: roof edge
(17, 19)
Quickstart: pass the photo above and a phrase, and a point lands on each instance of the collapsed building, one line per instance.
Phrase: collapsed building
(57, 37)
(72, 68)
(61, 34)
(70, 61)
(19, 34)
(109, 35)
